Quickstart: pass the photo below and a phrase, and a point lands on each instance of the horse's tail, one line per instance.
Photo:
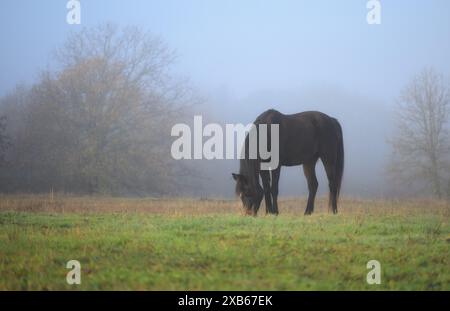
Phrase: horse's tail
(339, 159)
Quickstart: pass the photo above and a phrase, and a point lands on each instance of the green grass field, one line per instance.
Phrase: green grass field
(174, 244)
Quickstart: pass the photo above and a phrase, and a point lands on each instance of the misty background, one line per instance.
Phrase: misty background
(243, 57)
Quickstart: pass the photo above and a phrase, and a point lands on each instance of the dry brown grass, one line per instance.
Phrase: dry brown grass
(191, 206)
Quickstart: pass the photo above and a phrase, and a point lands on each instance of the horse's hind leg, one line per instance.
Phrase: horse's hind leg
(330, 170)
(310, 174)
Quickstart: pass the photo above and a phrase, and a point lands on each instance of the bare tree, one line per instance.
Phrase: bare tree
(101, 122)
(421, 143)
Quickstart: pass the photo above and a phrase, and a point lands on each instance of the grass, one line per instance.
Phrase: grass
(186, 244)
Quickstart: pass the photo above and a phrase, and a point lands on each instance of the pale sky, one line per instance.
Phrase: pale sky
(249, 45)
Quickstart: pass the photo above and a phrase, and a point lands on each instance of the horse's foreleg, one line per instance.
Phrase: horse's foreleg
(259, 197)
(265, 176)
(274, 190)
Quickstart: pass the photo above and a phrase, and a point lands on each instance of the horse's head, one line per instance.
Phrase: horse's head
(249, 197)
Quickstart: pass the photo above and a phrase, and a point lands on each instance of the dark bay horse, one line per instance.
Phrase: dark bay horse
(303, 139)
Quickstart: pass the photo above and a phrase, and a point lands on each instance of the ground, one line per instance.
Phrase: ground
(188, 244)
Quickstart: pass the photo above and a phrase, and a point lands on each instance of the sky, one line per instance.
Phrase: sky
(251, 55)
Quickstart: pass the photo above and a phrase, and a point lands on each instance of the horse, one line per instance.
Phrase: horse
(304, 138)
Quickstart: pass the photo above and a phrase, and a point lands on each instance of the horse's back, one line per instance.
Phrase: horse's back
(270, 116)
(273, 116)
(310, 123)
(302, 135)
(324, 128)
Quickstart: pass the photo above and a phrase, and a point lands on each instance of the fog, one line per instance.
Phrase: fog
(366, 126)
(243, 57)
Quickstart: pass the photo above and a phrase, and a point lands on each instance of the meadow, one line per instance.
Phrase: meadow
(190, 244)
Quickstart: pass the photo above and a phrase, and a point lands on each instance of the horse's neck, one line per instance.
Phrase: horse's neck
(251, 172)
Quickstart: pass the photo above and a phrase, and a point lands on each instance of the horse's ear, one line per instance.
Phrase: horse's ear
(235, 176)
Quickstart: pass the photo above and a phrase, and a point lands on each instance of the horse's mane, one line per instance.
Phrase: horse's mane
(250, 167)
